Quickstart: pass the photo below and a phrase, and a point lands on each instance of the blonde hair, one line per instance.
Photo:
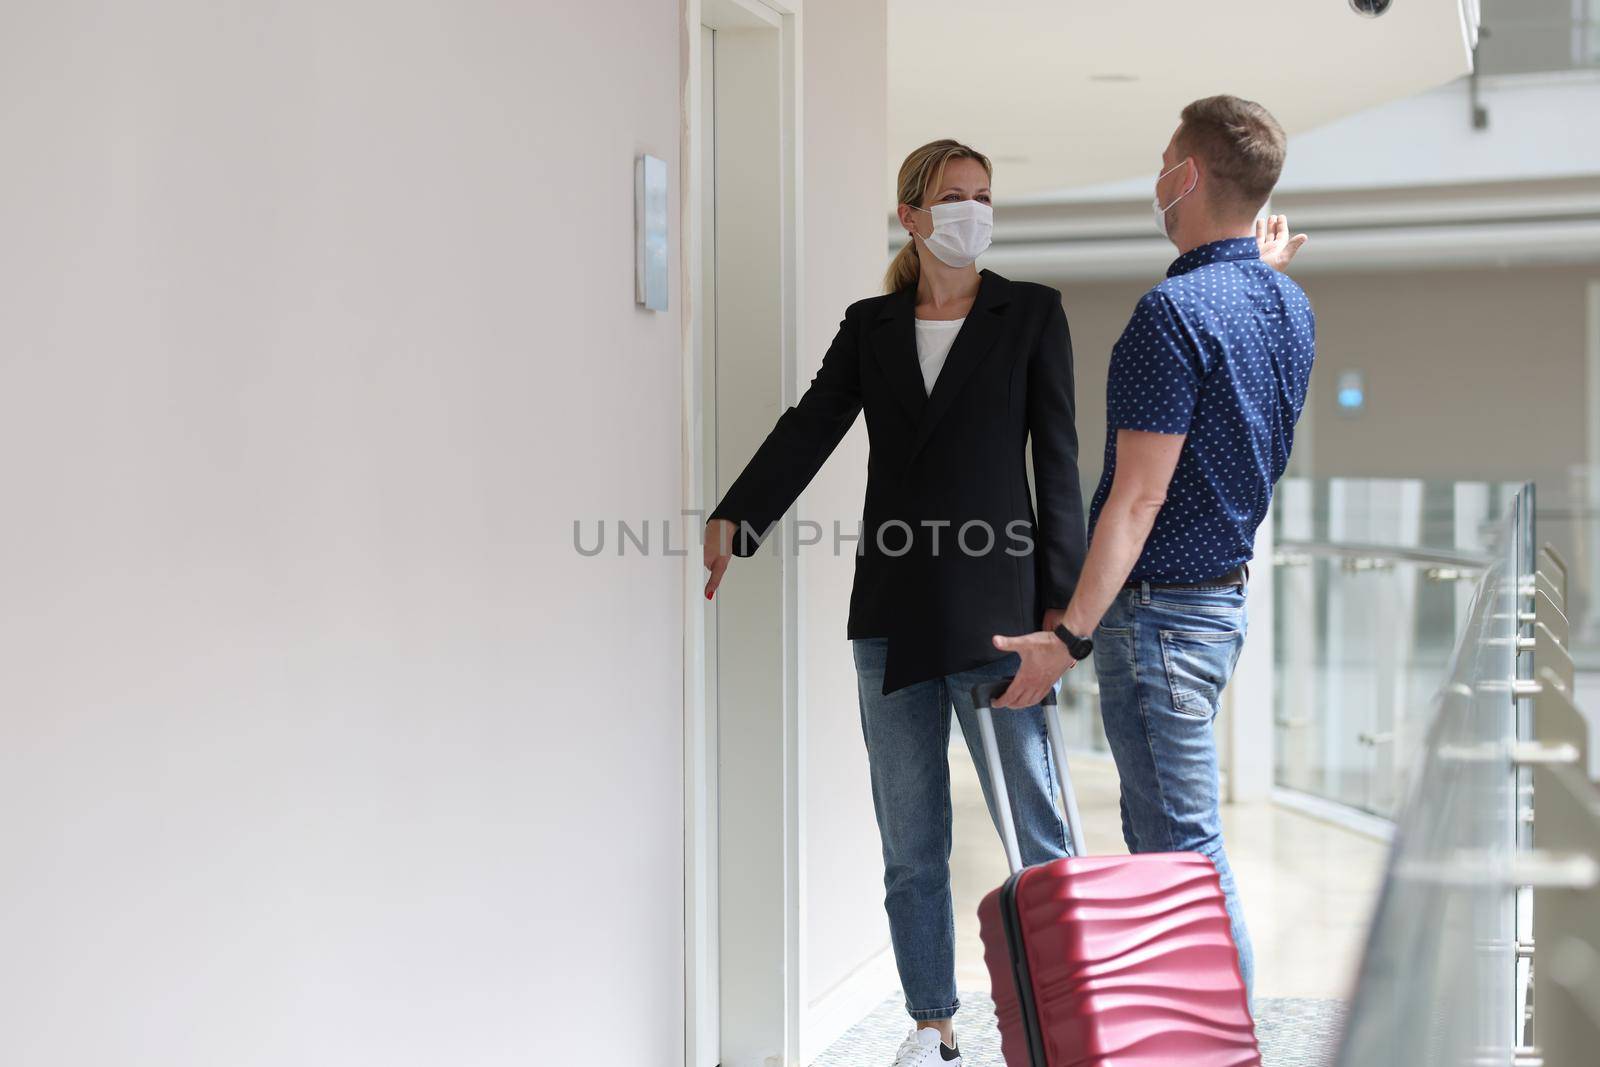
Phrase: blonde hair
(923, 170)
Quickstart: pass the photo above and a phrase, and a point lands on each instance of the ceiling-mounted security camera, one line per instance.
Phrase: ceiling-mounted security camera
(1370, 9)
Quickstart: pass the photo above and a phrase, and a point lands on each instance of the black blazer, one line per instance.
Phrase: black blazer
(936, 463)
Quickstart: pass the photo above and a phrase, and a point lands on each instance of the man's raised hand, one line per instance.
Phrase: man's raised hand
(1277, 247)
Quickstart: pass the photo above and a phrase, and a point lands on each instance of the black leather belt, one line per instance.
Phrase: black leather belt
(1239, 576)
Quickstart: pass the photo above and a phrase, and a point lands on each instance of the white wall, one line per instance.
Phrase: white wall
(318, 742)
(1065, 94)
(844, 119)
(1428, 139)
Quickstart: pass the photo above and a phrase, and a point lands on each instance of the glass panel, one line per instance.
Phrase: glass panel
(1569, 520)
(1373, 584)
(1436, 984)
(1360, 658)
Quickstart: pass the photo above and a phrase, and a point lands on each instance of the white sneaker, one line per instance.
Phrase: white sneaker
(922, 1048)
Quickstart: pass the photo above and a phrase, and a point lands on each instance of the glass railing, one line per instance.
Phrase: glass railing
(1569, 519)
(1485, 943)
(1374, 581)
(1437, 984)
(1424, 674)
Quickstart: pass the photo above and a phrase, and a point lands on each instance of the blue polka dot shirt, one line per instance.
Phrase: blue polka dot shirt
(1221, 351)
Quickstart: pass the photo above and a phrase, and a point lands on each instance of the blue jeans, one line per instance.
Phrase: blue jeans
(908, 740)
(1163, 657)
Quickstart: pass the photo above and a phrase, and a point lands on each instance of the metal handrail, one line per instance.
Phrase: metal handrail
(1358, 550)
(1390, 735)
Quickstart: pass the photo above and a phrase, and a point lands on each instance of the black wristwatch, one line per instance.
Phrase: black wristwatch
(1078, 647)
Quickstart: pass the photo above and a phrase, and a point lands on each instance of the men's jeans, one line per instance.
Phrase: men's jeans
(1163, 657)
(908, 739)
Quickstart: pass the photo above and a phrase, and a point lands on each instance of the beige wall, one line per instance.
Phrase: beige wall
(1469, 374)
(319, 744)
(1096, 314)
(845, 105)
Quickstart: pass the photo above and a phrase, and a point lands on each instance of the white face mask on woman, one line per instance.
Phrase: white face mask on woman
(1155, 201)
(961, 231)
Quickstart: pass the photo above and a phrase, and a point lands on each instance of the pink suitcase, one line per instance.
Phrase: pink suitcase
(1109, 960)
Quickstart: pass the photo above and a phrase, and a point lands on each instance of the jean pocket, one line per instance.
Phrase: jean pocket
(1113, 638)
(1198, 665)
(1228, 601)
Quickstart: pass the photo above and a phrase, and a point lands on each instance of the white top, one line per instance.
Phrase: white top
(934, 338)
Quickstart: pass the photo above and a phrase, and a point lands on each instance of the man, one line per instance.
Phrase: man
(1205, 387)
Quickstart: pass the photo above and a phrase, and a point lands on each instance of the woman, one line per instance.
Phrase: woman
(956, 371)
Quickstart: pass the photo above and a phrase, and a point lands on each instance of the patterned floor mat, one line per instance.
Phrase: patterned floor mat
(1293, 1031)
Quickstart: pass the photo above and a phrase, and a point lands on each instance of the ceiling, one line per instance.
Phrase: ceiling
(1066, 93)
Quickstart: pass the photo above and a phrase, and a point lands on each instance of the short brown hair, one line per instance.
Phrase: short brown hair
(1240, 143)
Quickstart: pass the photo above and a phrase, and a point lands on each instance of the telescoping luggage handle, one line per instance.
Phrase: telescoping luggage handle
(982, 696)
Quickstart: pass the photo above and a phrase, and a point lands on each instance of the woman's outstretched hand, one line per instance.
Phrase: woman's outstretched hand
(1044, 660)
(718, 552)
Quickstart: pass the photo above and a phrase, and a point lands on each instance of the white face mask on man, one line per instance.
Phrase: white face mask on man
(1155, 201)
(961, 231)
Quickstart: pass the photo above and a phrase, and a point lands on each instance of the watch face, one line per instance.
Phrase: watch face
(1078, 647)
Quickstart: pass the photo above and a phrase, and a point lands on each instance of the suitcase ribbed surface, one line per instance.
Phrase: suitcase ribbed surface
(1131, 961)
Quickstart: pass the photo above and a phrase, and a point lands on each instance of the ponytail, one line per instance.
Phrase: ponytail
(904, 269)
(922, 170)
